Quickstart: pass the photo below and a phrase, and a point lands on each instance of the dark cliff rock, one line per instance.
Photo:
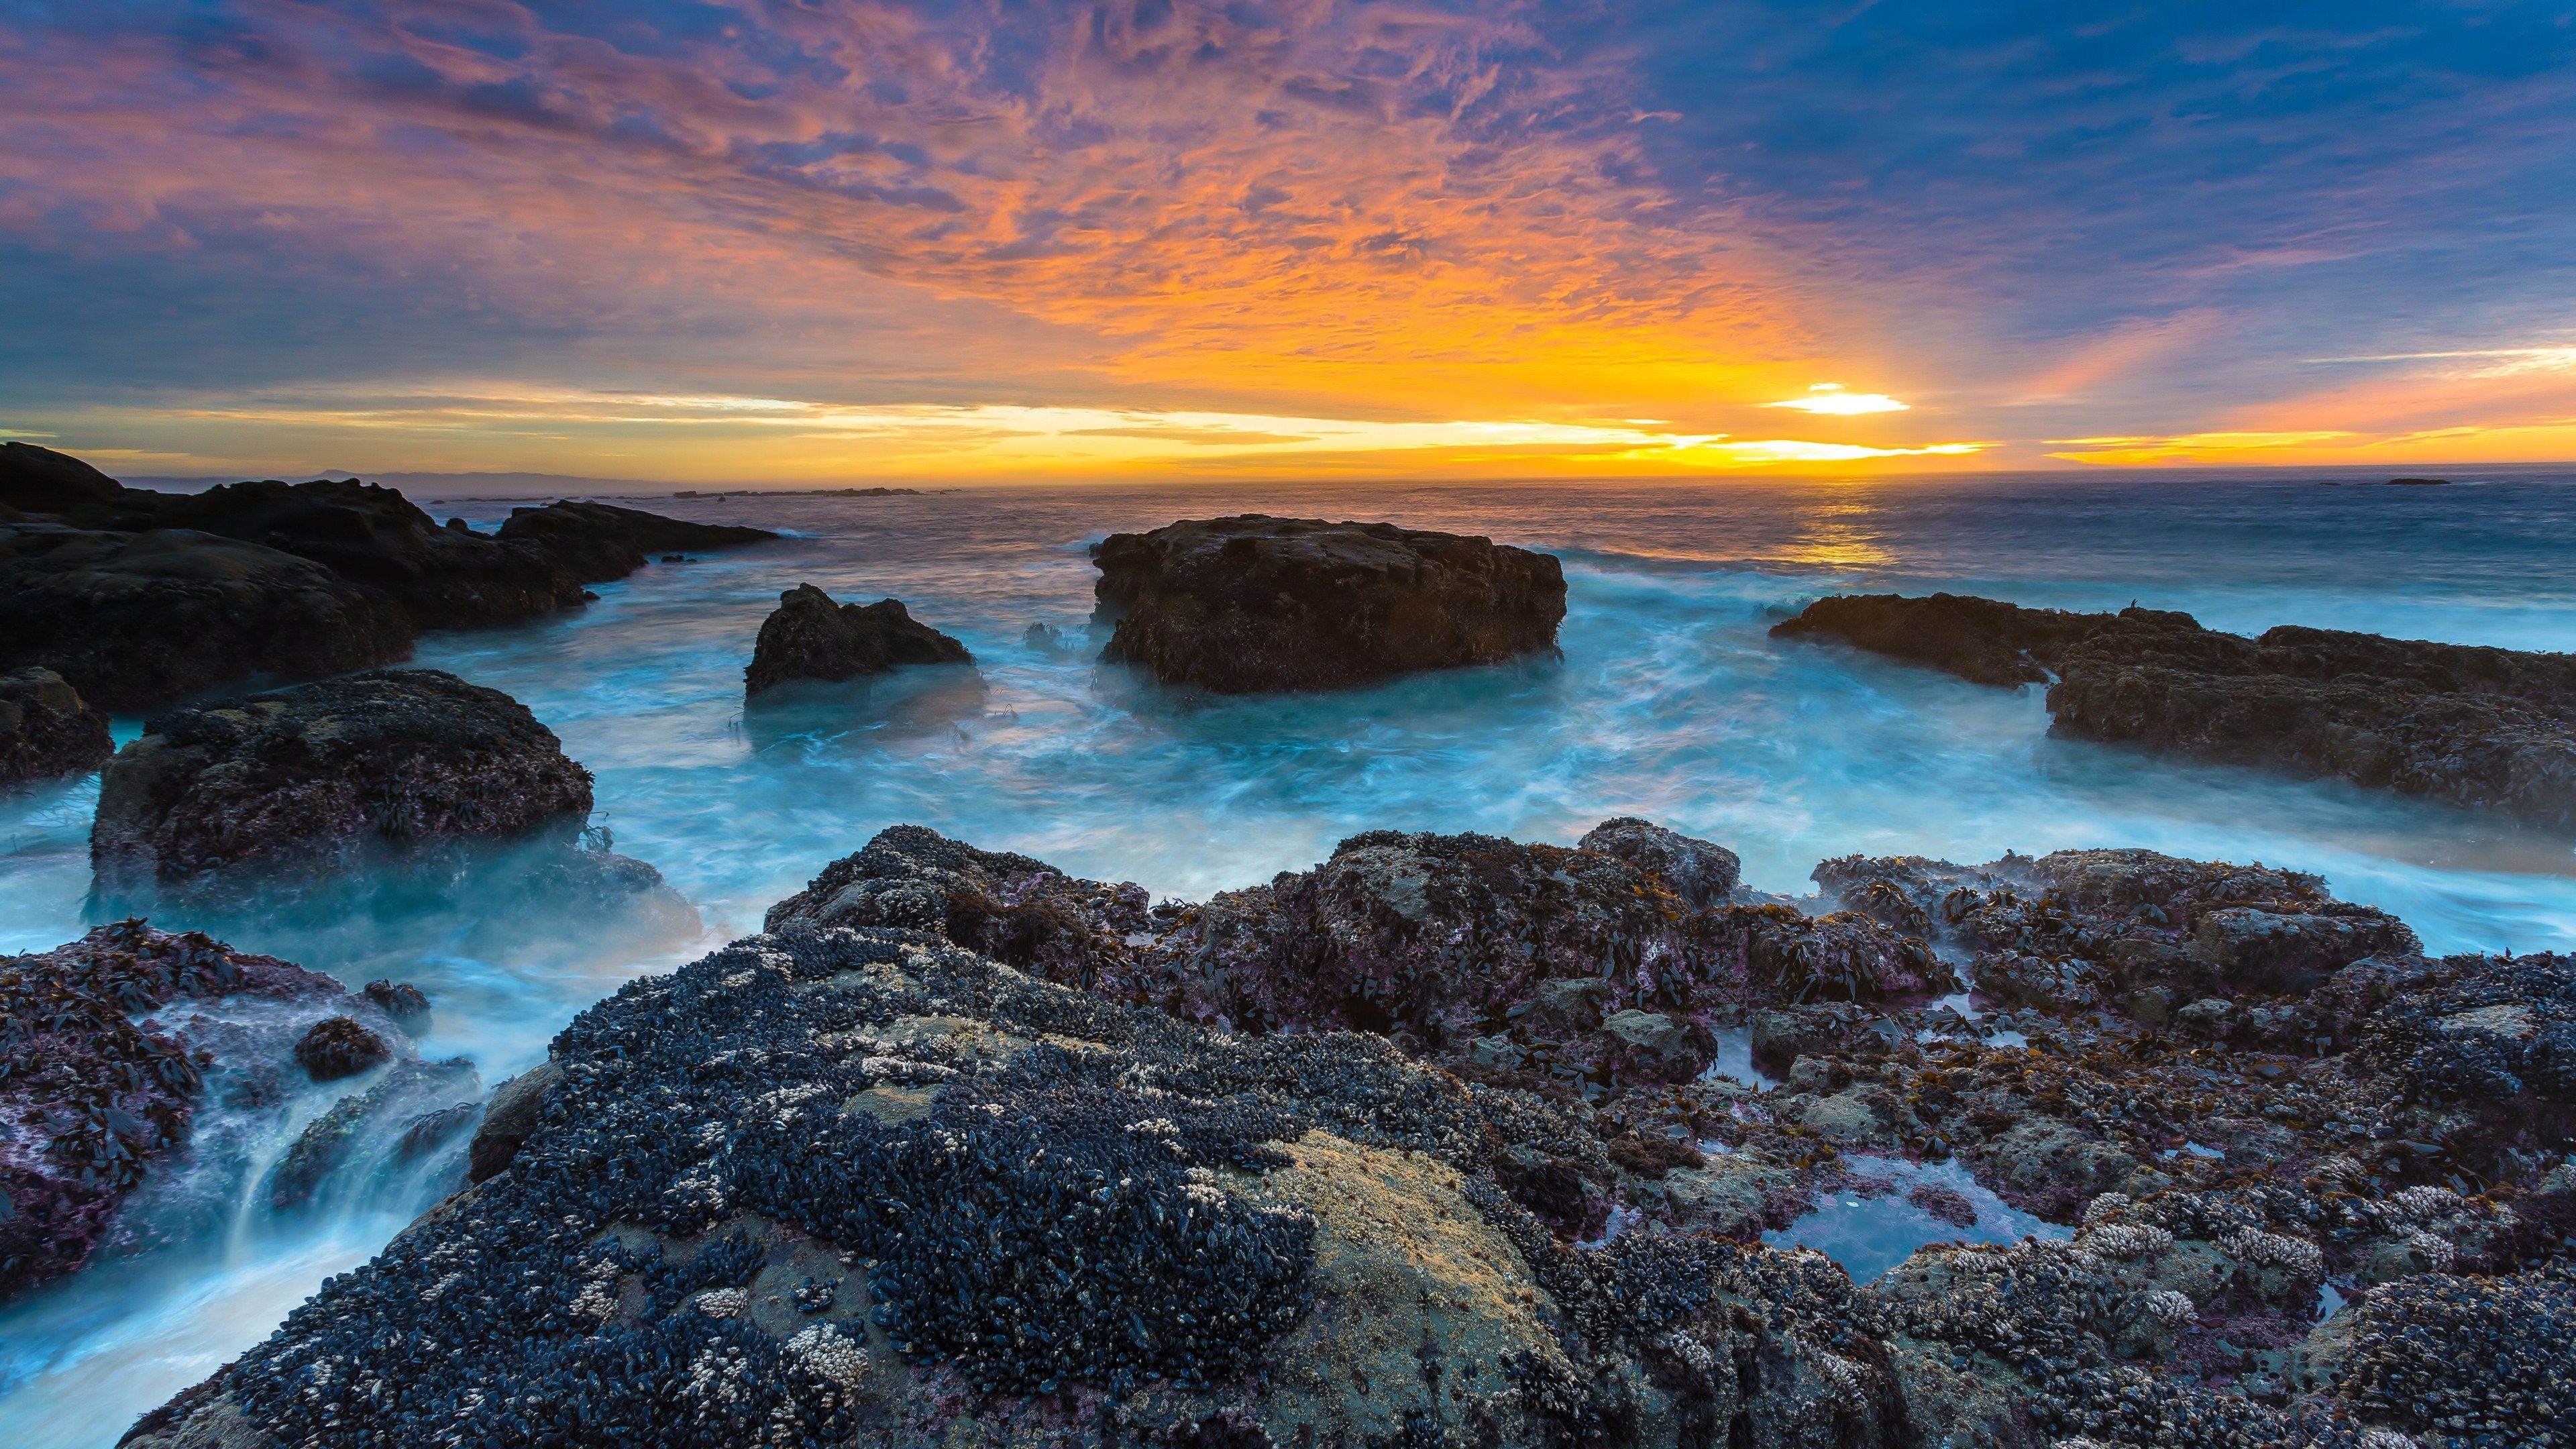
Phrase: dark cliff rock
(140, 598)
(2469, 726)
(137, 620)
(40, 480)
(854, 1183)
(808, 636)
(441, 577)
(47, 730)
(310, 777)
(1252, 603)
(96, 1093)
(601, 541)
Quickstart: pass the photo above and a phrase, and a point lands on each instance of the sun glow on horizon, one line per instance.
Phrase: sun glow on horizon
(1830, 399)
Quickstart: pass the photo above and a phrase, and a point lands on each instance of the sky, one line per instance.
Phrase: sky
(826, 242)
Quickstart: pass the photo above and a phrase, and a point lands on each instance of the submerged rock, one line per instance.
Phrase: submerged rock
(309, 777)
(2466, 725)
(96, 1093)
(47, 730)
(136, 620)
(808, 636)
(601, 541)
(1253, 604)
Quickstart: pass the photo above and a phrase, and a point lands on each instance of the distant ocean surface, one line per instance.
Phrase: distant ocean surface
(1670, 701)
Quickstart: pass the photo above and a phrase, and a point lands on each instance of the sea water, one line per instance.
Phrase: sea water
(1670, 701)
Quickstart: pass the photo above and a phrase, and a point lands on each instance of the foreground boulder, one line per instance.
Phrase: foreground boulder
(136, 620)
(47, 730)
(98, 1093)
(601, 541)
(1252, 603)
(808, 636)
(2466, 725)
(863, 1186)
(310, 778)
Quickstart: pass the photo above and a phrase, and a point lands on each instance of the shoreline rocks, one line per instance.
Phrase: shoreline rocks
(1255, 604)
(808, 636)
(306, 778)
(47, 730)
(2468, 726)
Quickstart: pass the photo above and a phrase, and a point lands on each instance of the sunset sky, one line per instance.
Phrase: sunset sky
(814, 241)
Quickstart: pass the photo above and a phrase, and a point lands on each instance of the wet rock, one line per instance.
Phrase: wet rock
(311, 776)
(1698, 872)
(401, 1001)
(1656, 1045)
(810, 637)
(412, 1111)
(1255, 604)
(513, 1114)
(135, 620)
(1979, 640)
(46, 730)
(338, 1047)
(97, 1093)
(601, 541)
(1783, 1034)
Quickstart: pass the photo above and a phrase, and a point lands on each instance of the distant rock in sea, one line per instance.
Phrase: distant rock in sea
(1255, 604)
(808, 636)
(47, 730)
(600, 541)
(2464, 724)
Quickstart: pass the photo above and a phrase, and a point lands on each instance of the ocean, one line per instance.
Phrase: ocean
(1669, 701)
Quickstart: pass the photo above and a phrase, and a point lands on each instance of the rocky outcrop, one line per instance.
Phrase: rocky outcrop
(2487, 728)
(1526, 963)
(1252, 604)
(136, 620)
(810, 637)
(2466, 725)
(856, 1183)
(601, 541)
(868, 1187)
(313, 777)
(140, 598)
(1976, 639)
(47, 730)
(96, 1092)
